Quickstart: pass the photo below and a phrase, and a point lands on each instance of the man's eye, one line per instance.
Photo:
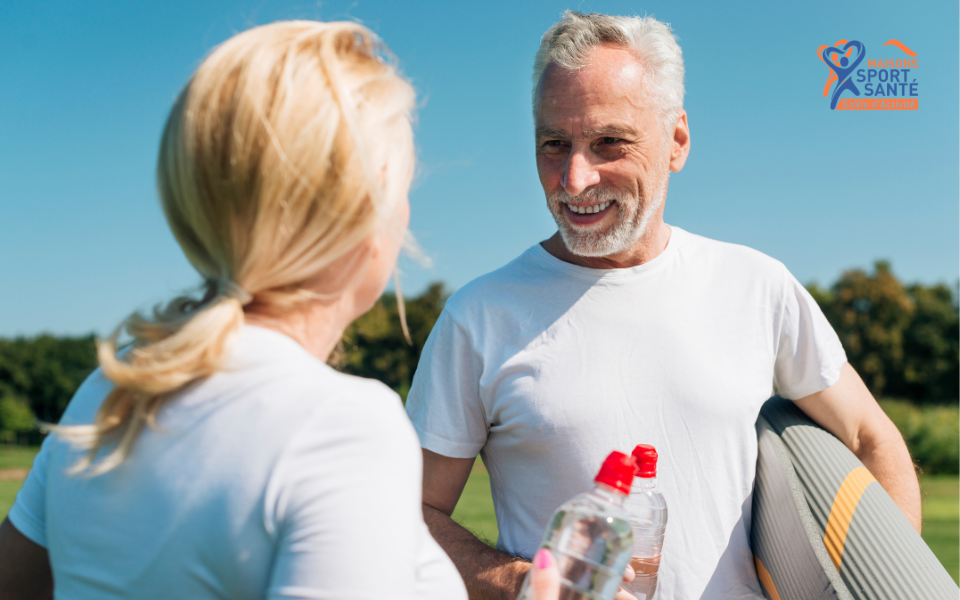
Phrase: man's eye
(553, 146)
(610, 140)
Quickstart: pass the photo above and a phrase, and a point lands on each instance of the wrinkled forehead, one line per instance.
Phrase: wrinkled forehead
(598, 97)
(611, 80)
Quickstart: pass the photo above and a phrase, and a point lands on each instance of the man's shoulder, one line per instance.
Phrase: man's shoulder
(513, 282)
(727, 256)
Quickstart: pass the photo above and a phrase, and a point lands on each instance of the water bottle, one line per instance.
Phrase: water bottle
(648, 518)
(590, 536)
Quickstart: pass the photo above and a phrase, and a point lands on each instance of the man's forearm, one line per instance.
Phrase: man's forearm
(847, 410)
(488, 574)
(889, 461)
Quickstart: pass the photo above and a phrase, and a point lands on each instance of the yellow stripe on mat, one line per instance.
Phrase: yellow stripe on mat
(841, 513)
(766, 580)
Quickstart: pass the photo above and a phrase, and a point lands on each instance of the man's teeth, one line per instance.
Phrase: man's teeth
(587, 210)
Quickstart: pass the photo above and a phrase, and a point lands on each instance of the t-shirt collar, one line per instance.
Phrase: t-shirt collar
(257, 345)
(552, 262)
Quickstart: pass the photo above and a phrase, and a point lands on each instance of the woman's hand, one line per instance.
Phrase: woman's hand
(628, 576)
(545, 579)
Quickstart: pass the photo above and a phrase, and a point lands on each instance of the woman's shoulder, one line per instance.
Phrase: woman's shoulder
(85, 402)
(265, 359)
(270, 383)
(277, 375)
(325, 389)
(367, 407)
(355, 430)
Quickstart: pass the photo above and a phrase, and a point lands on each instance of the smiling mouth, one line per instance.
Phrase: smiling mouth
(591, 209)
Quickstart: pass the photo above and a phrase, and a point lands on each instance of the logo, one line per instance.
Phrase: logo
(888, 83)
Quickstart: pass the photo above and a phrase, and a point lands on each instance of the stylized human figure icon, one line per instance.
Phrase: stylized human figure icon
(844, 69)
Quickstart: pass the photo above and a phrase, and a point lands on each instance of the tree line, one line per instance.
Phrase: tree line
(902, 339)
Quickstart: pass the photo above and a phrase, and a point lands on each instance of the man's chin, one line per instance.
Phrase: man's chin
(591, 240)
(589, 246)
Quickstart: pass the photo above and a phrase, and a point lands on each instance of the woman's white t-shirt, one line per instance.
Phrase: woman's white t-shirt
(277, 477)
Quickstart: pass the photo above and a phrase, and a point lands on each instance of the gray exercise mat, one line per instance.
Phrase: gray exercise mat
(824, 528)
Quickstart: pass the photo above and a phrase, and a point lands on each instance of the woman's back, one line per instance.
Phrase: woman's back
(274, 477)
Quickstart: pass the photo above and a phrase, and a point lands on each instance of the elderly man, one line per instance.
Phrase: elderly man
(621, 329)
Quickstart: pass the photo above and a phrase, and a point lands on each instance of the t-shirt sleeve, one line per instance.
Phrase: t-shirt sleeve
(343, 504)
(28, 513)
(444, 402)
(809, 353)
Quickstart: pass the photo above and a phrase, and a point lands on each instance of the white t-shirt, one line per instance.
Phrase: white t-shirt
(544, 367)
(277, 477)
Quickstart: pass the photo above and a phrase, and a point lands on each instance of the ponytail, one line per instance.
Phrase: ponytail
(289, 147)
(184, 341)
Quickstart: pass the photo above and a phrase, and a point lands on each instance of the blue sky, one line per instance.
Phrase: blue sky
(86, 87)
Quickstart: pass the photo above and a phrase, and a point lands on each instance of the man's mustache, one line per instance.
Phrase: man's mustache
(589, 196)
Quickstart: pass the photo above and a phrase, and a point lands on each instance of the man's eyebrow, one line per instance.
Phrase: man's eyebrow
(542, 132)
(608, 131)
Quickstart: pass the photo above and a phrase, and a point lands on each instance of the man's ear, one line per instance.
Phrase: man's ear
(681, 143)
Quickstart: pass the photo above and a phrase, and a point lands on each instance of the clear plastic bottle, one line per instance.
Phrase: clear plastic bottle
(590, 536)
(648, 518)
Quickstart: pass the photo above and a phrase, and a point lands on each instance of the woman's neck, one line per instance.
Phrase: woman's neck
(317, 327)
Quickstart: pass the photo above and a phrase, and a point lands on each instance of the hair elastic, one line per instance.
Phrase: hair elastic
(232, 289)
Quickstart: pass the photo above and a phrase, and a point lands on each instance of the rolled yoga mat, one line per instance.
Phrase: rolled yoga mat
(822, 525)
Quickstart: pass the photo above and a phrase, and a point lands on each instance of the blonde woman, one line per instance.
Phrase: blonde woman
(219, 457)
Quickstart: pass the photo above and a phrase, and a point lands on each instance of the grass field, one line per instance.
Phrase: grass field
(16, 457)
(941, 519)
(941, 506)
(12, 457)
(8, 493)
(475, 508)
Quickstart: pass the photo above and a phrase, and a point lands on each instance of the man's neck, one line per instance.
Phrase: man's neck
(646, 249)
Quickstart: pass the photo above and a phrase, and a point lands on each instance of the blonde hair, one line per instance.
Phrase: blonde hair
(288, 148)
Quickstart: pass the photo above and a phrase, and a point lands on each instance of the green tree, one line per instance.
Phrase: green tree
(870, 313)
(903, 340)
(932, 434)
(15, 414)
(46, 370)
(374, 345)
(931, 347)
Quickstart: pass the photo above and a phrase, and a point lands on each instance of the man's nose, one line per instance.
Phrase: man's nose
(579, 174)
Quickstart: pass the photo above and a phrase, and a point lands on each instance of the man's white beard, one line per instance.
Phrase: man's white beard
(633, 219)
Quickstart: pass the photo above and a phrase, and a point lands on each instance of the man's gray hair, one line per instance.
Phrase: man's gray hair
(569, 42)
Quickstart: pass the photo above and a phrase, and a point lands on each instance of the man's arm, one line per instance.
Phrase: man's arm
(847, 410)
(488, 574)
(24, 567)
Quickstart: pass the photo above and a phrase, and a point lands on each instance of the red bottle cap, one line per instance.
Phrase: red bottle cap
(646, 459)
(617, 472)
